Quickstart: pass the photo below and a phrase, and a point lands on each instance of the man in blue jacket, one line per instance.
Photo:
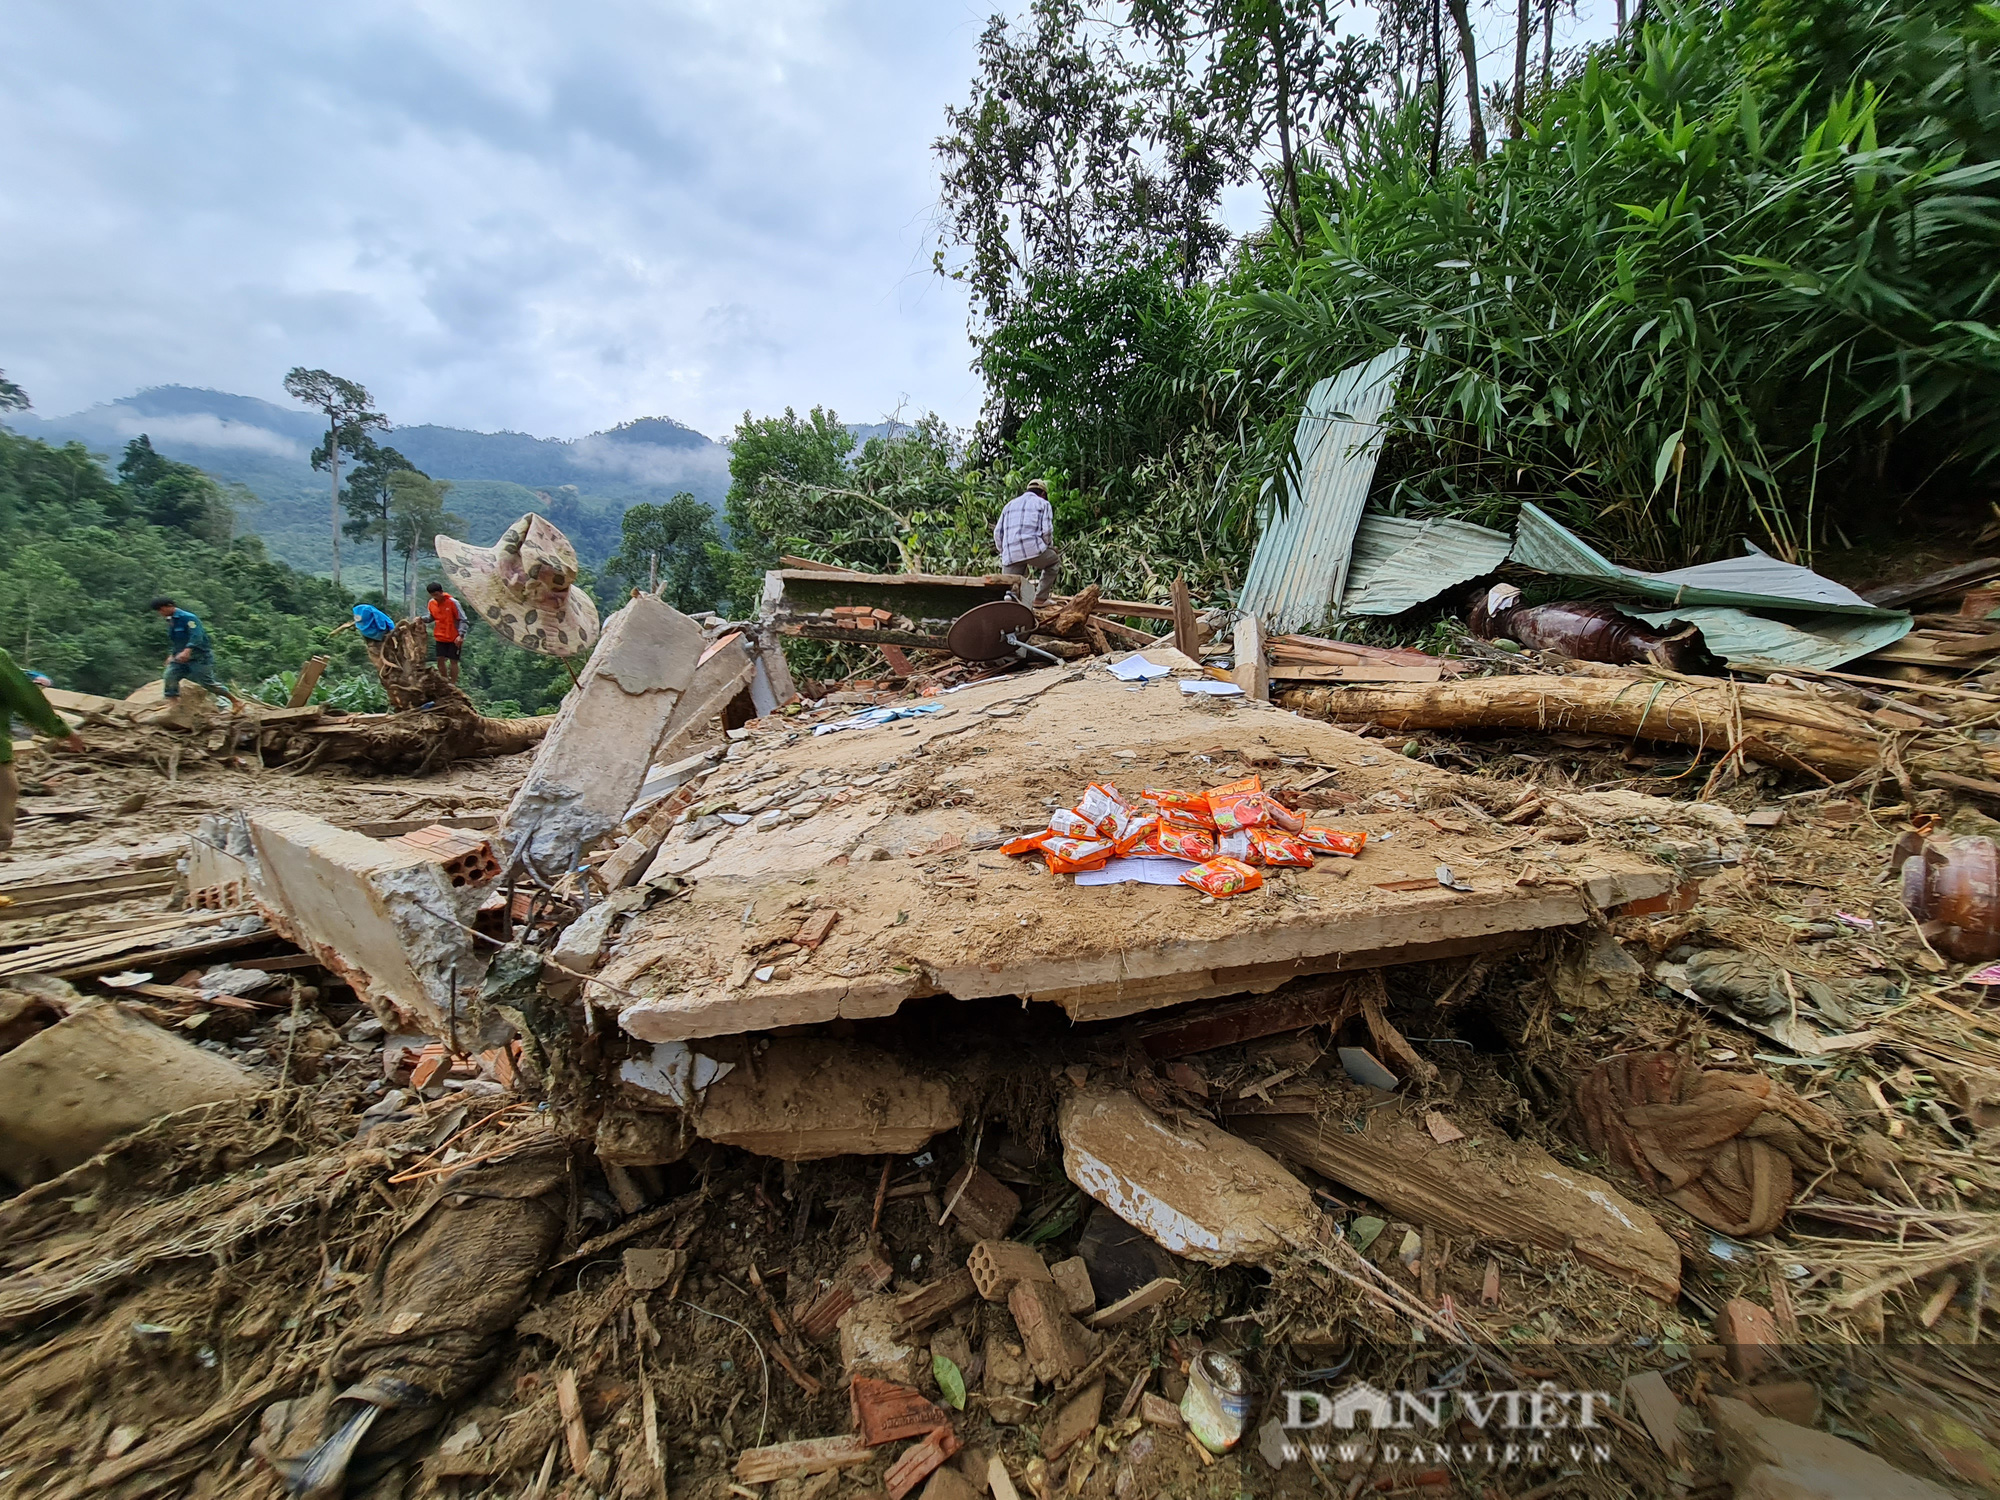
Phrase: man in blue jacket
(374, 627)
(189, 653)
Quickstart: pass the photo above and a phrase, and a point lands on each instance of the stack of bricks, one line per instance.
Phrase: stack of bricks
(860, 617)
(468, 858)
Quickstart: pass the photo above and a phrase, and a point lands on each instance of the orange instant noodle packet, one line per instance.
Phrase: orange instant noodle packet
(1101, 806)
(1342, 841)
(1276, 847)
(1133, 830)
(1067, 822)
(1189, 809)
(1236, 844)
(1068, 856)
(1280, 816)
(1222, 877)
(1027, 843)
(1196, 844)
(1237, 805)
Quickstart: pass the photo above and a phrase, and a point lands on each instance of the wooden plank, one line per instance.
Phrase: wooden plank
(1132, 609)
(811, 564)
(1252, 675)
(1215, 1026)
(308, 679)
(1160, 1290)
(1318, 648)
(14, 909)
(1963, 783)
(1920, 689)
(806, 1456)
(124, 880)
(825, 630)
(125, 960)
(1187, 634)
(1932, 585)
(1290, 671)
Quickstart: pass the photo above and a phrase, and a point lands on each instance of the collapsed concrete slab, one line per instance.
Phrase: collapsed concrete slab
(73, 1088)
(1488, 1184)
(593, 760)
(897, 828)
(804, 1099)
(1196, 1189)
(384, 917)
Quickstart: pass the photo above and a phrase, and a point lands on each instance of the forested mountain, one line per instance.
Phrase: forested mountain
(584, 485)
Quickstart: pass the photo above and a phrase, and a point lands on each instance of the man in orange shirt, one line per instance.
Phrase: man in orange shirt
(447, 630)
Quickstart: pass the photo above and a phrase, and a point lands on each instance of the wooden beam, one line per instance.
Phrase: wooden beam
(1252, 675)
(308, 679)
(1133, 609)
(1311, 1003)
(812, 564)
(1374, 671)
(1896, 595)
(1125, 634)
(820, 630)
(1187, 633)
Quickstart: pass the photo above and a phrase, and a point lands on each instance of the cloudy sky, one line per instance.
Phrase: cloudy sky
(494, 214)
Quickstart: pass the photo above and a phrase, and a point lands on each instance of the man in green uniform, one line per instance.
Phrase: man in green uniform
(189, 654)
(20, 696)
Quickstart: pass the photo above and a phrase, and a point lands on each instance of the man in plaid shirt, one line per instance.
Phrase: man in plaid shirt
(1025, 538)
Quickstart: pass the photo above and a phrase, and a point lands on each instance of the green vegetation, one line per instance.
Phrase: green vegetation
(86, 552)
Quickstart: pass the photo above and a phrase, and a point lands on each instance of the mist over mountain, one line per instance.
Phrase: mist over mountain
(583, 484)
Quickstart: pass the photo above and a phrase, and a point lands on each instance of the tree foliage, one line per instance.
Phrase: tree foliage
(1737, 279)
(678, 542)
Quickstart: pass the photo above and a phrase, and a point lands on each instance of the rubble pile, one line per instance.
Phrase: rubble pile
(772, 1095)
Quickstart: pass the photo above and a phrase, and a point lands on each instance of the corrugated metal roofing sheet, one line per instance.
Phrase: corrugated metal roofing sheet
(1400, 562)
(1822, 642)
(1756, 581)
(1300, 568)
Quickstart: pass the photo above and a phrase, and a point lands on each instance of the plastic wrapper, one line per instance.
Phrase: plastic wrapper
(1236, 844)
(1101, 806)
(1188, 809)
(1275, 847)
(1240, 804)
(1132, 830)
(1222, 877)
(1277, 815)
(1028, 843)
(1068, 823)
(1342, 841)
(1068, 856)
(1196, 844)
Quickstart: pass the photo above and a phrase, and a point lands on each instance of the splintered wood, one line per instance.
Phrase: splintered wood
(897, 828)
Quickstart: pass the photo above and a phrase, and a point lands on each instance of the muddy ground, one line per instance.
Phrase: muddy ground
(155, 1303)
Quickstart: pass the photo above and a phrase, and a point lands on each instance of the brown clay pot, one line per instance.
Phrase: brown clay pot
(1955, 884)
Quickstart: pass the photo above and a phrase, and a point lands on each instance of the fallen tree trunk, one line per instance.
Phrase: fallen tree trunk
(414, 742)
(1778, 726)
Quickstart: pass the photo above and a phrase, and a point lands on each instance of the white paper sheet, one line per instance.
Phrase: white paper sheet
(1137, 668)
(1145, 869)
(1211, 687)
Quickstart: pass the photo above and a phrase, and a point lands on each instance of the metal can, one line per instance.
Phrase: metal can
(1217, 1404)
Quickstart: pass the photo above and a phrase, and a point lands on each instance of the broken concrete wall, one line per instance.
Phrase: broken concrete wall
(593, 761)
(382, 916)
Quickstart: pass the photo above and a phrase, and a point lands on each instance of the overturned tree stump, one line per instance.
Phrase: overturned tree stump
(412, 738)
(1777, 726)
